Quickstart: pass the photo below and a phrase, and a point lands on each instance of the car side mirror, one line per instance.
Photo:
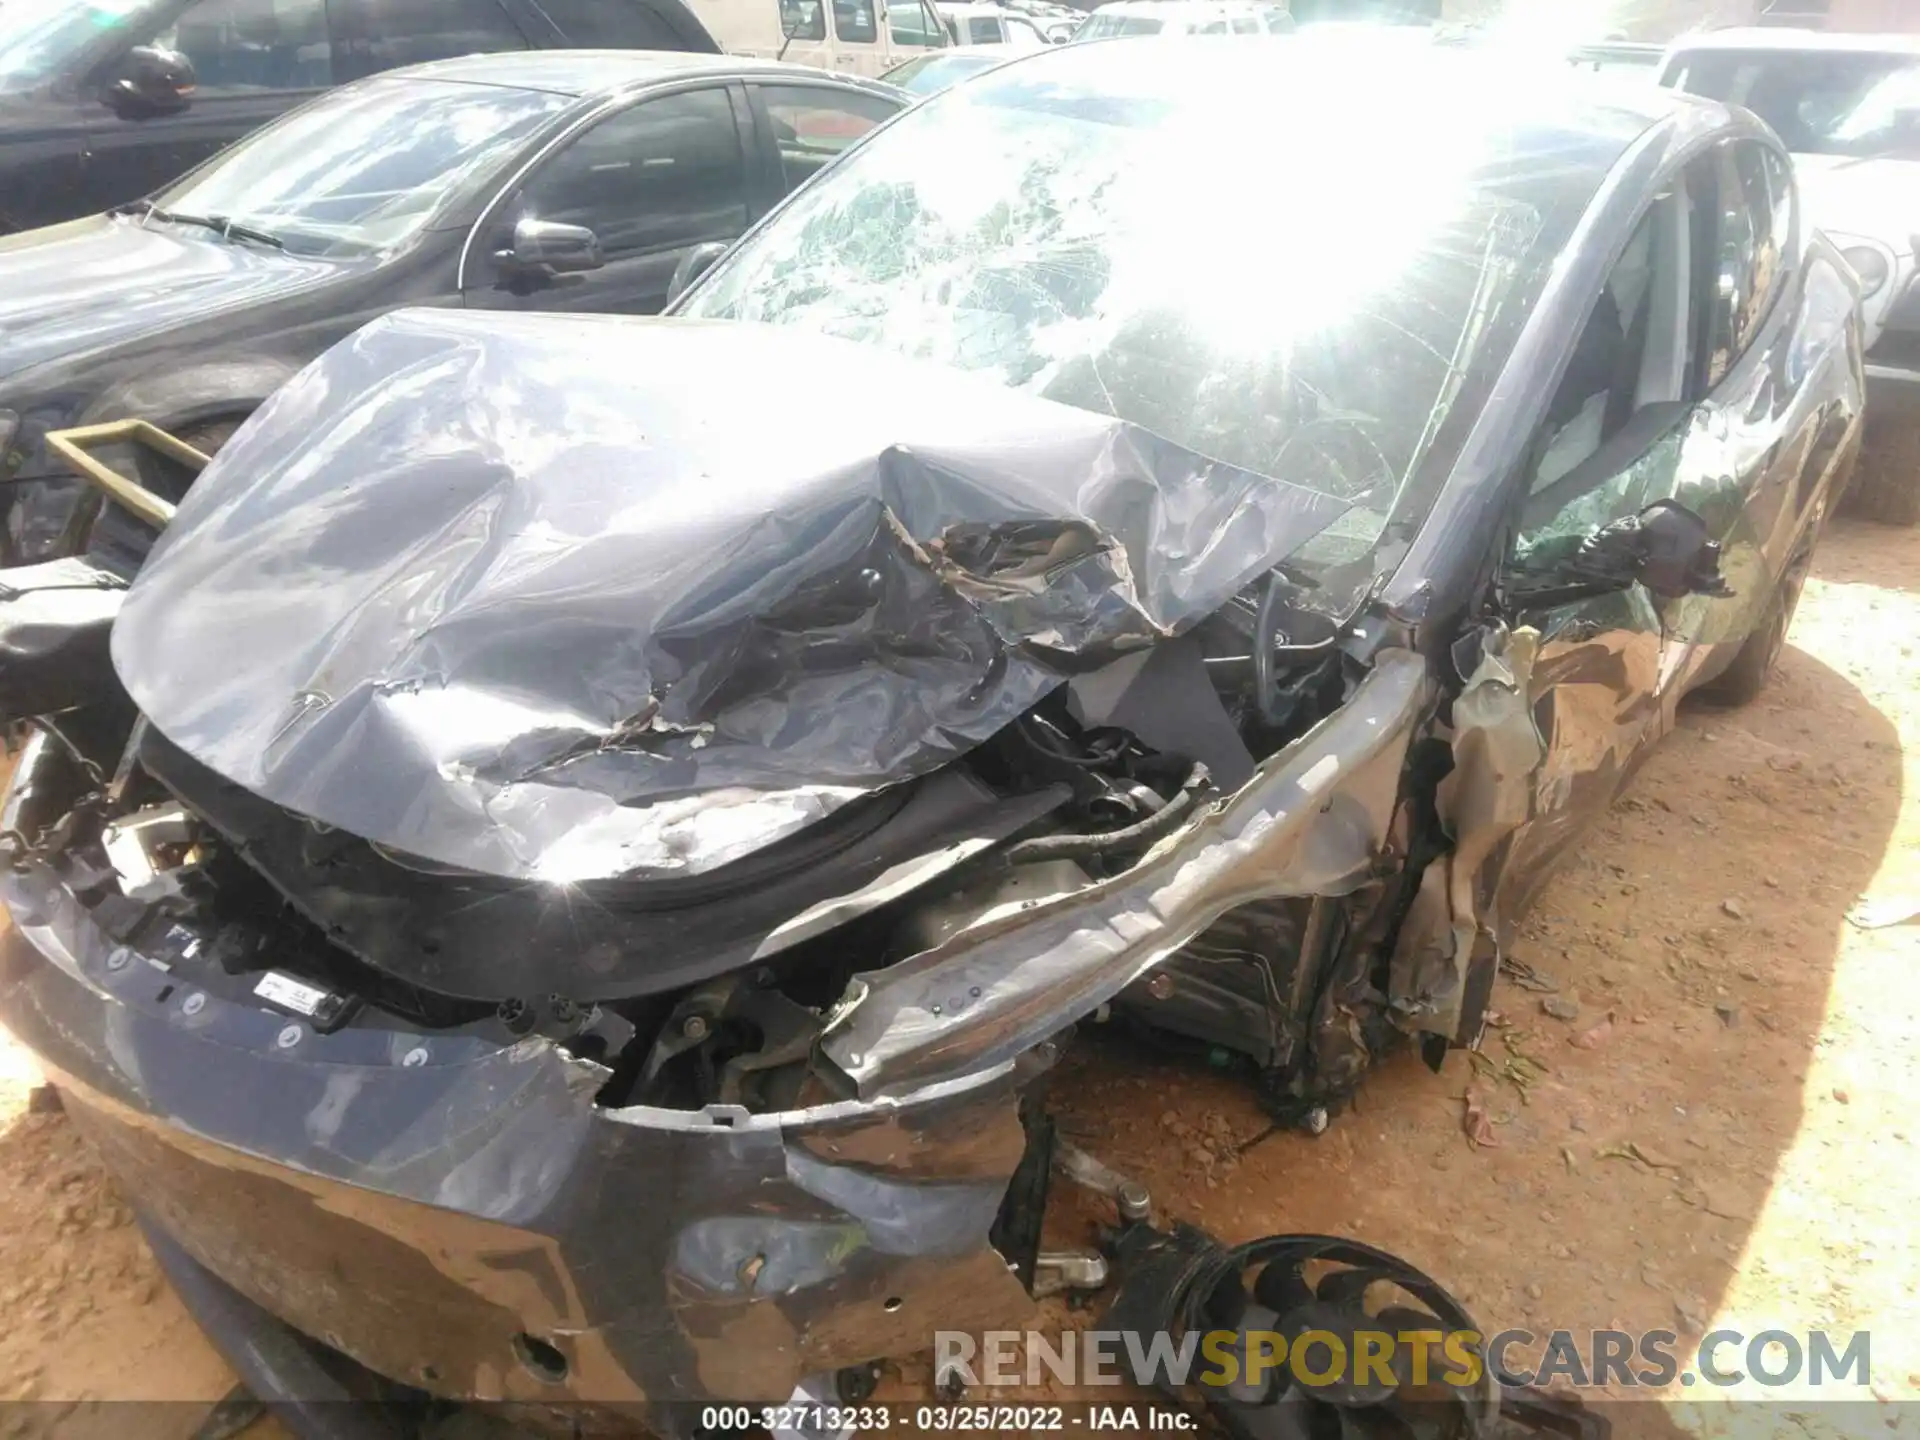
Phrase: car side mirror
(151, 80)
(695, 263)
(1666, 547)
(551, 248)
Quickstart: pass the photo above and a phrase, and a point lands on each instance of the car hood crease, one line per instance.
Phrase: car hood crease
(565, 599)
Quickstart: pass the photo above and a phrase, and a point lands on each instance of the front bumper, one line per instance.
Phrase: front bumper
(465, 1219)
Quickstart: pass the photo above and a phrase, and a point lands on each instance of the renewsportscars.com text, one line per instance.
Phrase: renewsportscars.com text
(1651, 1359)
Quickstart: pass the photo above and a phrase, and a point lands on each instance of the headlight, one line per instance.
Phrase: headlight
(1871, 266)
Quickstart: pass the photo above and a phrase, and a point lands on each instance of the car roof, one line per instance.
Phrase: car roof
(593, 72)
(1782, 38)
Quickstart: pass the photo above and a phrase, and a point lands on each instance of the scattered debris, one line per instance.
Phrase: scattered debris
(1596, 1037)
(1476, 1125)
(1840, 1094)
(1734, 908)
(1729, 1014)
(1717, 1201)
(1525, 976)
(1518, 1069)
(1632, 1150)
(1560, 1007)
(43, 1100)
(1692, 1312)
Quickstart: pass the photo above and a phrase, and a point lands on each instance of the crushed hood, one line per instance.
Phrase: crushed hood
(567, 599)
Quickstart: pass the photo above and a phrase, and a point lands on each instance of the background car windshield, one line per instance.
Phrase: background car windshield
(365, 167)
(1091, 225)
(1106, 27)
(38, 37)
(1829, 103)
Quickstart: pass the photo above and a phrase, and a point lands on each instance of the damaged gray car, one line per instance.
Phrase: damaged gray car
(563, 874)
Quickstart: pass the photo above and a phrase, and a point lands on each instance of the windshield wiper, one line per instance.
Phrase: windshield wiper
(220, 224)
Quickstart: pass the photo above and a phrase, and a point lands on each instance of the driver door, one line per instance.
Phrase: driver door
(650, 181)
(1664, 400)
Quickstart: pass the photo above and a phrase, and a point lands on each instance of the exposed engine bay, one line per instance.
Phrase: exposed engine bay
(247, 899)
(800, 784)
(463, 816)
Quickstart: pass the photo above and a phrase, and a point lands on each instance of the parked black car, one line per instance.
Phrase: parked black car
(572, 180)
(102, 101)
(626, 813)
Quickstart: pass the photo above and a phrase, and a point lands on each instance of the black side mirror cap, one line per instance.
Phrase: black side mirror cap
(695, 263)
(151, 80)
(1666, 547)
(550, 248)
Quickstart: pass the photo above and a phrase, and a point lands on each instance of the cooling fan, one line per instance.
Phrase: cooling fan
(1293, 1285)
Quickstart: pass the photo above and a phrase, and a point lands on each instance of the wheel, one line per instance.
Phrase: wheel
(1743, 680)
(1886, 481)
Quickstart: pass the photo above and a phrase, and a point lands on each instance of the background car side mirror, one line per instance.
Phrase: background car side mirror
(695, 263)
(1666, 547)
(552, 248)
(151, 80)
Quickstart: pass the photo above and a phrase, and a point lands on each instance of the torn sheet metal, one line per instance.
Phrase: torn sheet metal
(562, 599)
(1497, 754)
(1311, 822)
(431, 1197)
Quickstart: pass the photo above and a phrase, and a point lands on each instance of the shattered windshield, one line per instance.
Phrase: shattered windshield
(1130, 241)
(1862, 106)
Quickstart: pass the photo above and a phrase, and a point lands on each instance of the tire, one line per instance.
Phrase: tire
(1886, 480)
(1742, 681)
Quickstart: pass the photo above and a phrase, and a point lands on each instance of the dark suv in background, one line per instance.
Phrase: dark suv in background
(102, 101)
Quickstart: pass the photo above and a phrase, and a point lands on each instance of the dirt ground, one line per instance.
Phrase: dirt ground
(1757, 1051)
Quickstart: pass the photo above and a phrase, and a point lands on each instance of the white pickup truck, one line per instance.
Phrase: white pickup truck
(1848, 107)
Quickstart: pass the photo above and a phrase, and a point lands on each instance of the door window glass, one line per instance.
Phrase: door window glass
(1024, 34)
(242, 45)
(1780, 188)
(814, 123)
(983, 30)
(610, 25)
(909, 24)
(1741, 268)
(666, 173)
(1615, 423)
(803, 20)
(853, 21)
(389, 33)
